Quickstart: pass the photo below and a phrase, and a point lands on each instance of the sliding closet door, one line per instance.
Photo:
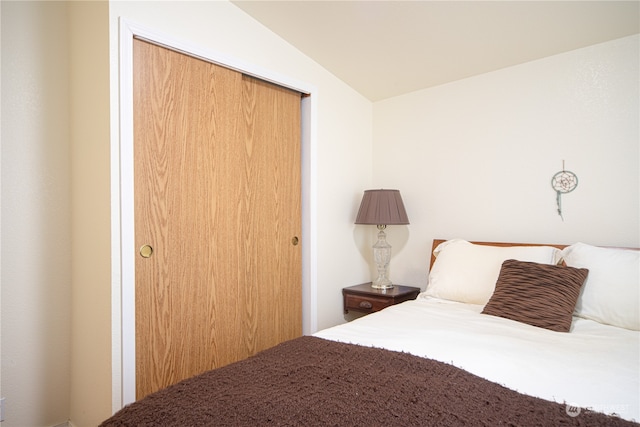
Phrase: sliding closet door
(217, 216)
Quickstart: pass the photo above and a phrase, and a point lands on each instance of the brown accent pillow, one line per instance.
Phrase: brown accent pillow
(537, 294)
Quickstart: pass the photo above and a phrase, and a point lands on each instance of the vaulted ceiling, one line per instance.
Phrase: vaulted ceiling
(387, 48)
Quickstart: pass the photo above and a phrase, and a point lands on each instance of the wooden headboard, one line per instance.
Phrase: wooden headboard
(436, 242)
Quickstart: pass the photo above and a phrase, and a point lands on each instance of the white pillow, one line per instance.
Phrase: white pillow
(611, 293)
(468, 273)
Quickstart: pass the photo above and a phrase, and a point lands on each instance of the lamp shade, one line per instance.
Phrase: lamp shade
(382, 207)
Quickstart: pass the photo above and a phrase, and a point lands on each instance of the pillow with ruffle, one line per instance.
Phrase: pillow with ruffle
(540, 295)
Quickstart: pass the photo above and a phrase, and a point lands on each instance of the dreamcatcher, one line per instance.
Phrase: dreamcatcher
(563, 182)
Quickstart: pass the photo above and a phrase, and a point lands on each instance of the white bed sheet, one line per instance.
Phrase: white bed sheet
(594, 366)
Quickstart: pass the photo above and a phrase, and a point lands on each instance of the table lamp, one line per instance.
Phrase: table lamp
(382, 208)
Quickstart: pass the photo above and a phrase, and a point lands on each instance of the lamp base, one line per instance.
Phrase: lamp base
(382, 257)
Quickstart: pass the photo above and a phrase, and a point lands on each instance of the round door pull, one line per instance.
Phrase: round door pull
(146, 251)
(294, 241)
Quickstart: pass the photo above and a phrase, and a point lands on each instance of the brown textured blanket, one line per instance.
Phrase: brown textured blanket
(314, 382)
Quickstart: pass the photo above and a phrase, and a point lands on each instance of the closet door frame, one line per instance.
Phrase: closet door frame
(122, 200)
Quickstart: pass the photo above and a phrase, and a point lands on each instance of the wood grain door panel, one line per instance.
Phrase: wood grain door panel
(217, 196)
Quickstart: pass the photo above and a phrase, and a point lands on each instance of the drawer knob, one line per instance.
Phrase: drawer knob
(365, 304)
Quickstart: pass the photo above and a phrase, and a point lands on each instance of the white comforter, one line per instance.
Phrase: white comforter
(594, 366)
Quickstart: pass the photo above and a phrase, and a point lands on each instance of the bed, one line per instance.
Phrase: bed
(504, 334)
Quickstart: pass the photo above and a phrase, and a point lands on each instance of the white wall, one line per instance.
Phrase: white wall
(474, 158)
(35, 204)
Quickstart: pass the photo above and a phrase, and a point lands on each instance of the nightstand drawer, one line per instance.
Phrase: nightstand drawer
(366, 304)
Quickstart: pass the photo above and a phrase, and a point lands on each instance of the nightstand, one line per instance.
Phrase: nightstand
(365, 299)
